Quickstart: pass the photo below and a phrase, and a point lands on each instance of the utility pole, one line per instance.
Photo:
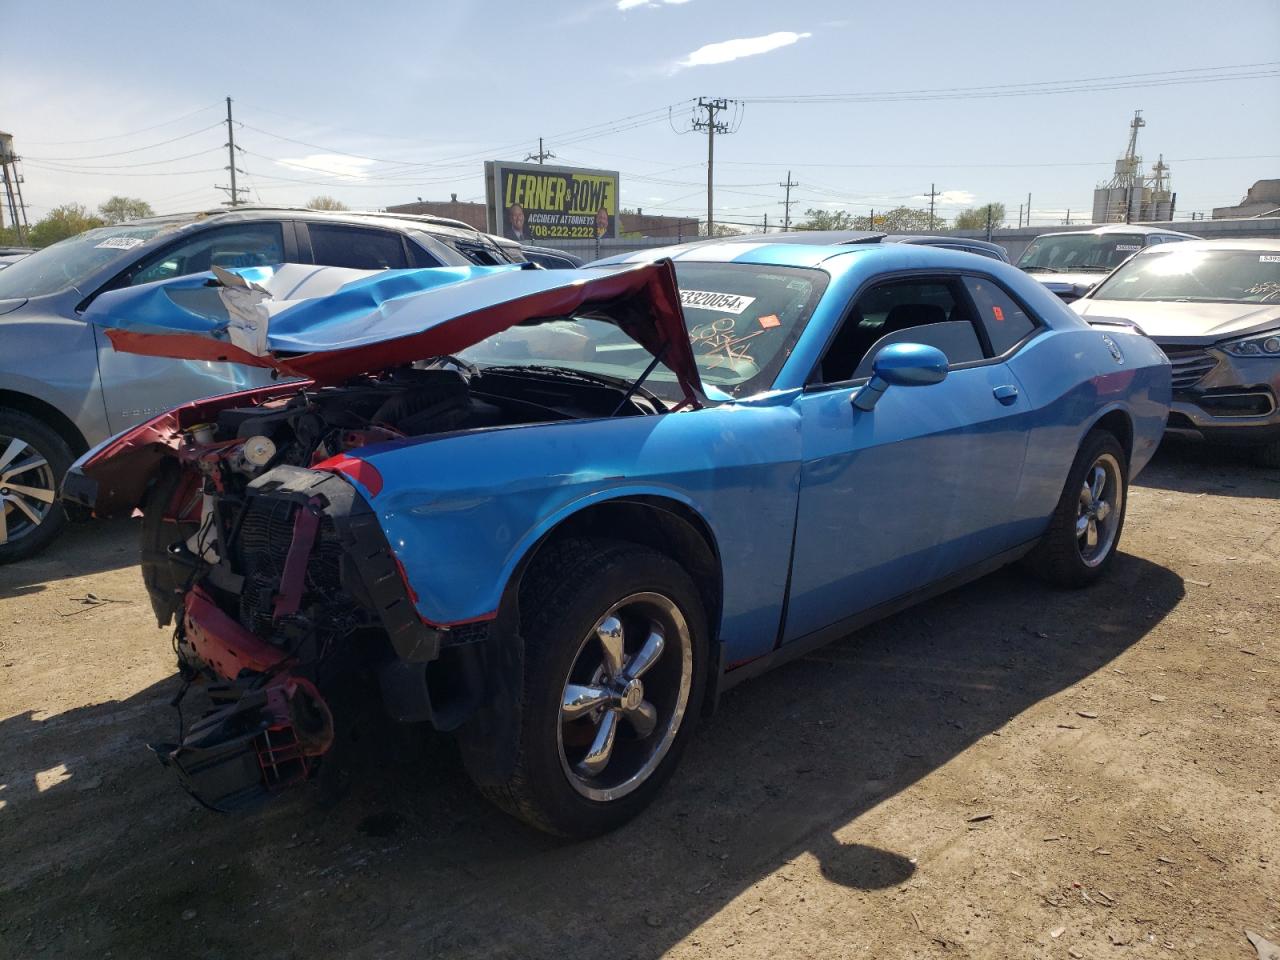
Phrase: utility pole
(766, 223)
(786, 204)
(933, 192)
(1019, 216)
(233, 191)
(988, 223)
(541, 155)
(712, 126)
(1028, 209)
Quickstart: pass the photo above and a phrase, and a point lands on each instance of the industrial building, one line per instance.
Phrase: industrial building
(1262, 200)
(1132, 195)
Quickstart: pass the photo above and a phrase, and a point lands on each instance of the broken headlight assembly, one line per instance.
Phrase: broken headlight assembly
(1259, 345)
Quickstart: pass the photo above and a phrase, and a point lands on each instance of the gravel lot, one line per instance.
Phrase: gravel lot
(1007, 771)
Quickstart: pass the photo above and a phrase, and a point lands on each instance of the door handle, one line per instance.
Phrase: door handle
(1006, 393)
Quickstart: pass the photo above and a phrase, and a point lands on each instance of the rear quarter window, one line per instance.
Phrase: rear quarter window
(1006, 323)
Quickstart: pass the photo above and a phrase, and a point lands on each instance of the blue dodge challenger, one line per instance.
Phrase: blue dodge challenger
(558, 513)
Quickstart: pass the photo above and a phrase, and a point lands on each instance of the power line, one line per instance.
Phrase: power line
(1112, 82)
(131, 133)
(121, 153)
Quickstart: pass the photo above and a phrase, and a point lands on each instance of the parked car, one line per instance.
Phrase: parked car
(583, 512)
(10, 255)
(62, 389)
(983, 248)
(548, 258)
(844, 237)
(1071, 264)
(1213, 307)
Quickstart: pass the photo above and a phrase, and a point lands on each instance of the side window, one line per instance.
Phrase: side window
(245, 245)
(1006, 323)
(927, 311)
(338, 245)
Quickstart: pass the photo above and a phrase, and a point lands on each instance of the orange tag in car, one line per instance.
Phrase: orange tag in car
(770, 320)
(999, 314)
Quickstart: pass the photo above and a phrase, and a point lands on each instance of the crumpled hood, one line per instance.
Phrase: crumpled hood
(329, 324)
(1167, 319)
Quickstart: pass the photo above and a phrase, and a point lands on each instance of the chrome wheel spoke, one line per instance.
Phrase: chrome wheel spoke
(16, 446)
(1098, 484)
(35, 493)
(1091, 535)
(638, 665)
(609, 632)
(643, 718)
(20, 468)
(580, 700)
(32, 514)
(1082, 525)
(4, 521)
(597, 757)
(1104, 510)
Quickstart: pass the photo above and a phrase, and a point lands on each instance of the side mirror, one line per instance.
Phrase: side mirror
(901, 365)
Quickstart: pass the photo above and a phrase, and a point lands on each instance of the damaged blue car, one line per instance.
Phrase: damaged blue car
(557, 514)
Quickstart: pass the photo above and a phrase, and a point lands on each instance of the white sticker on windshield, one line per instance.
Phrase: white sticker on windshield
(1129, 247)
(1269, 258)
(119, 243)
(733, 303)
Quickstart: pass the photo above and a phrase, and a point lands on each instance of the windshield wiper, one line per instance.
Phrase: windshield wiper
(569, 373)
(1046, 269)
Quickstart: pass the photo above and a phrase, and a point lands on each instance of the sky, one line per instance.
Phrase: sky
(383, 103)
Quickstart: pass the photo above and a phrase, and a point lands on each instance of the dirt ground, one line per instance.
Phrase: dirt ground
(1007, 771)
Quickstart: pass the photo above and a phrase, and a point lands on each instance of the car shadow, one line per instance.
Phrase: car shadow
(105, 853)
(1189, 466)
(83, 548)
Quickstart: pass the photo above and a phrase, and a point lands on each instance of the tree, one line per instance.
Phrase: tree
(900, 220)
(326, 203)
(62, 222)
(721, 230)
(976, 217)
(120, 209)
(828, 220)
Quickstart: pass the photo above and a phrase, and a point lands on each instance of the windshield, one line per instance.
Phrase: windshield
(70, 262)
(743, 319)
(1215, 276)
(1083, 252)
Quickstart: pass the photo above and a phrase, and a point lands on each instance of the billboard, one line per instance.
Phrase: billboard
(540, 204)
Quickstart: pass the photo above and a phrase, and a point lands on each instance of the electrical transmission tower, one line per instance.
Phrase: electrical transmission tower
(786, 204)
(232, 191)
(712, 126)
(542, 155)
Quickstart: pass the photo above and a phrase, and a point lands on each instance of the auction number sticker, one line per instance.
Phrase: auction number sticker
(1269, 258)
(119, 243)
(733, 303)
(1128, 247)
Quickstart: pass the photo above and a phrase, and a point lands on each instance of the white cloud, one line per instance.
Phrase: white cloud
(632, 4)
(330, 164)
(728, 50)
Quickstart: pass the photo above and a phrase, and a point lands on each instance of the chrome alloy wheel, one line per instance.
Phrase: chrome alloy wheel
(27, 489)
(1098, 518)
(625, 696)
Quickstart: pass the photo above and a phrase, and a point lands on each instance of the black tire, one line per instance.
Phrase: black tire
(1059, 558)
(564, 596)
(1267, 455)
(25, 537)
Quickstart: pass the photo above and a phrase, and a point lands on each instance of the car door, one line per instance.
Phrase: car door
(898, 497)
(135, 388)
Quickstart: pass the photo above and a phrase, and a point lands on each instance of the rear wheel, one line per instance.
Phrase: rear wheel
(615, 653)
(1084, 531)
(33, 461)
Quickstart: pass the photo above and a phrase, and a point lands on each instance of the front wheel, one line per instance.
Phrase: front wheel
(615, 657)
(33, 460)
(1084, 531)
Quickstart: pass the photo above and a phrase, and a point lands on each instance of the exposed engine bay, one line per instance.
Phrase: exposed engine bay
(283, 587)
